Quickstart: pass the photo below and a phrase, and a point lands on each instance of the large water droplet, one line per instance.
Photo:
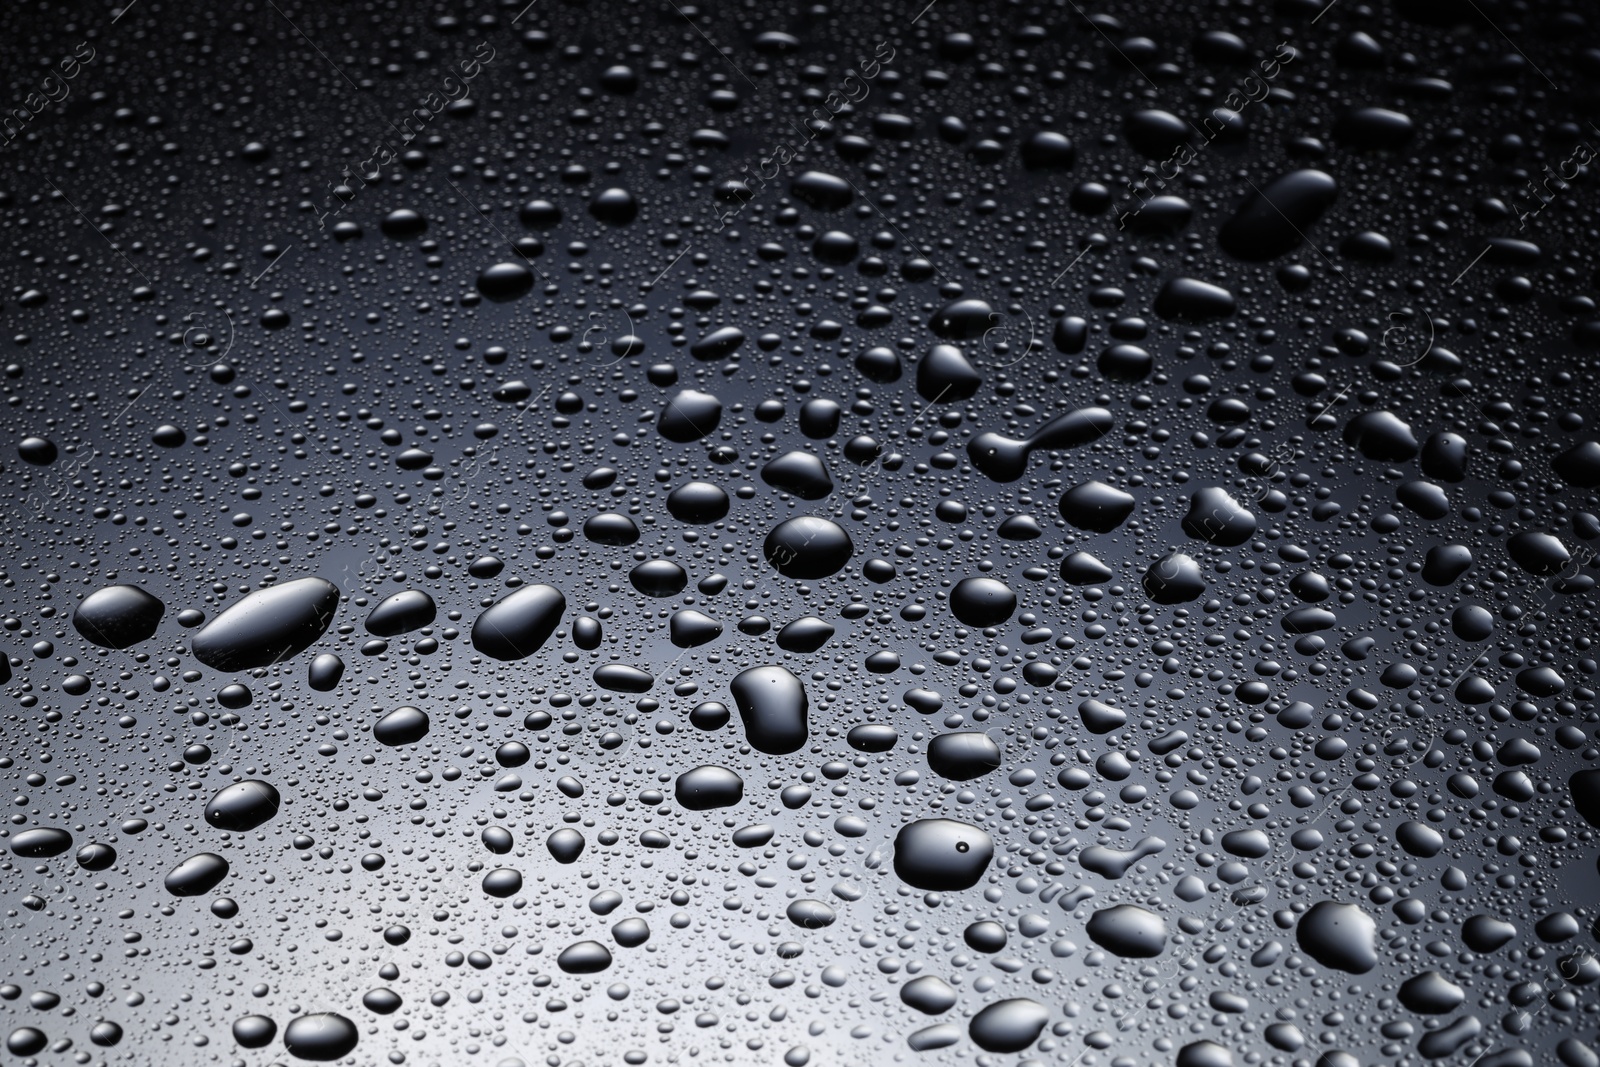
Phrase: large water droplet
(963, 756)
(502, 882)
(690, 416)
(584, 957)
(518, 625)
(1096, 506)
(41, 841)
(505, 281)
(1341, 936)
(941, 854)
(402, 726)
(254, 1031)
(402, 612)
(243, 806)
(197, 875)
(1008, 1025)
(565, 845)
(324, 672)
(708, 787)
(268, 626)
(118, 616)
(1275, 219)
(799, 473)
(808, 547)
(1129, 931)
(982, 602)
(697, 503)
(659, 578)
(321, 1037)
(944, 376)
(772, 705)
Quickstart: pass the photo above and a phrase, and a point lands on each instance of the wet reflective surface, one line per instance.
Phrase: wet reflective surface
(1001, 534)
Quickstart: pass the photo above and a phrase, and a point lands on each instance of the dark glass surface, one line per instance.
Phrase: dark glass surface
(645, 533)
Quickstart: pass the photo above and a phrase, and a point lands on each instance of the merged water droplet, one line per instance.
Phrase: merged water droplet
(1341, 936)
(40, 841)
(773, 706)
(268, 626)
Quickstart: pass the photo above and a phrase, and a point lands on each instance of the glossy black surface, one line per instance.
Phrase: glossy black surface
(659, 534)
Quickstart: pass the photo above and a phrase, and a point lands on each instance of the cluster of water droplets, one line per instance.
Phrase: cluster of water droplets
(986, 598)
